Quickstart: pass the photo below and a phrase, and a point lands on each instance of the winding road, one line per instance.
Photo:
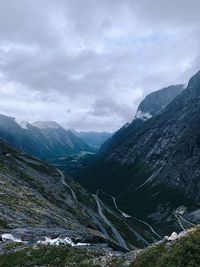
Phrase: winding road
(129, 216)
(137, 235)
(192, 224)
(179, 218)
(62, 177)
(101, 227)
(117, 235)
(179, 221)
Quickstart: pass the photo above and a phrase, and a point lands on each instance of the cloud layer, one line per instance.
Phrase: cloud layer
(87, 64)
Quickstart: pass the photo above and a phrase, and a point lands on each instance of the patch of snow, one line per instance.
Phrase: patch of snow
(82, 244)
(58, 241)
(10, 237)
(175, 236)
(46, 124)
(125, 215)
(143, 115)
(22, 124)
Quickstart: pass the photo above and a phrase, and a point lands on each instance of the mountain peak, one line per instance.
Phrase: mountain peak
(195, 80)
(46, 124)
(158, 100)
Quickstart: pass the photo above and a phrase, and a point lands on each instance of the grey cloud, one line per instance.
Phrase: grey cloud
(108, 107)
(96, 59)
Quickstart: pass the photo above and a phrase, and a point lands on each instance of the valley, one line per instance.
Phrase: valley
(133, 193)
(99, 133)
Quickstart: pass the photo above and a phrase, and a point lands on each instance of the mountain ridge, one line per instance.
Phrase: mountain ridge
(44, 139)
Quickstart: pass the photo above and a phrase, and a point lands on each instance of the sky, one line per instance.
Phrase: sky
(87, 64)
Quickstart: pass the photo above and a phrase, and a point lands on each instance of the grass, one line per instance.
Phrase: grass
(3, 224)
(183, 253)
(61, 256)
(12, 245)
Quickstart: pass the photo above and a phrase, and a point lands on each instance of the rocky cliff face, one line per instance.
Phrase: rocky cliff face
(157, 101)
(152, 105)
(169, 142)
(34, 194)
(155, 168)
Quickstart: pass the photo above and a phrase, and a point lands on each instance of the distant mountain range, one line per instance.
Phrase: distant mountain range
(92, 138)
(45, 140)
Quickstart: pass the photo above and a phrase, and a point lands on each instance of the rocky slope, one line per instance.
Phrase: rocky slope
(33, 194)
(152, 105)
(157, 101)
(45, 140)
(38, 201)
(155, 168)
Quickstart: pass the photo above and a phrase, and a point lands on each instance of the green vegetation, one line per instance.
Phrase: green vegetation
(3, 224)
(12, 245)
(123, 181)
(50, 256)
(125, 228)
(183, 253)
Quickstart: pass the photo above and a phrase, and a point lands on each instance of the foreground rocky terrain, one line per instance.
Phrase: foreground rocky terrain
(177, 250)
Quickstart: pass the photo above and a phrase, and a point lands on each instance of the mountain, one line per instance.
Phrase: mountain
(157, 101)
(59, 141)
(149, 107)
(154, 168)
(45, 140)
(93, 139)
(33, 194)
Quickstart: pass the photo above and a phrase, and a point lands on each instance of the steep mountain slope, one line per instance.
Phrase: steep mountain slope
(157, 101)
(93, 139)
(155, 168)
(34, 194)
(59, 141)
(149, 107)
(43, 139)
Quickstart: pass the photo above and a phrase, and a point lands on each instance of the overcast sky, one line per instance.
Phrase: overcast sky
(88, 63)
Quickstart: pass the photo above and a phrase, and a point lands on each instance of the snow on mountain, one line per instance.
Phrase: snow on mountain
(22, 124)
(46, 124)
